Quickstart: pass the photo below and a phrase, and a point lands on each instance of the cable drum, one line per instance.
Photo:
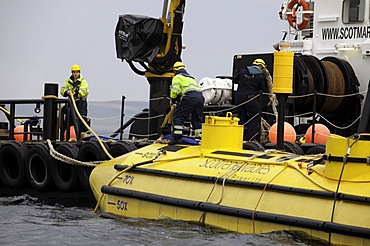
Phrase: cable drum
(64, 174)
(318, 82)
(335, 86)
(301, 84)
(12, 164)
(350, 107)
(351, 86)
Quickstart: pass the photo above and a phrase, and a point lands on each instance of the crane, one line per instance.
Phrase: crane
(155, 45)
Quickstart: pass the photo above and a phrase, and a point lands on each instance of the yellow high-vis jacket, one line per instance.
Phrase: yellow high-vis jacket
(79, 88)
(182, 84)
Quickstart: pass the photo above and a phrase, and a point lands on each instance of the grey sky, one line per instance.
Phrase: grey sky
(41, 40)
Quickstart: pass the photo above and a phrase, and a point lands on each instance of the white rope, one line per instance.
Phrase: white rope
(232, 108)
(343, 127)
(66, 159)
(107, 118)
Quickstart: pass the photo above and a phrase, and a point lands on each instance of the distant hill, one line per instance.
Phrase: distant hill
(105, 116)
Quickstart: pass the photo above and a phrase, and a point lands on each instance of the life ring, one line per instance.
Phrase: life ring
(65, 175)
(119, 148)
(281, 12)
(38, 168)
(89, 151)
(292, 18)
(12, 164)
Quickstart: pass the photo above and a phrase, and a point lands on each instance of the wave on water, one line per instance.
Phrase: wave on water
(26, 220)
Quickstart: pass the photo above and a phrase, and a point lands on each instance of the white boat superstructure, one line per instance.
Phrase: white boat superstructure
(337, 28)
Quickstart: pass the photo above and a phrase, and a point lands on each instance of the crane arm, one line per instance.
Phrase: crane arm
(157, 42)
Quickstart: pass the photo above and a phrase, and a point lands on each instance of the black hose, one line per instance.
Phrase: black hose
(136, 70)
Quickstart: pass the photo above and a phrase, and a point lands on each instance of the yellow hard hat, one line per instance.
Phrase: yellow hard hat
(178, 65)
(259, 61)
(75, 67)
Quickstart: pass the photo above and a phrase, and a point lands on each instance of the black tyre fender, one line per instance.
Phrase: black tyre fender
(252, 145)
(318, 149)
(119, 148)
(12, 164)
(65, 175)
(1, 183)
(293, 148)
(89, 151)
(38, 167)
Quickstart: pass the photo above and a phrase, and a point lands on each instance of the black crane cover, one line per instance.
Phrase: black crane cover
(138, 38)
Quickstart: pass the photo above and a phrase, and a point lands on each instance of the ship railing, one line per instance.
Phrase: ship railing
(301, 120)
(18, 110)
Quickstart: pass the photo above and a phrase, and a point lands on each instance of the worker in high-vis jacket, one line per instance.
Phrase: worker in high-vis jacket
(79, 88)
(250, 82)
(188, 99)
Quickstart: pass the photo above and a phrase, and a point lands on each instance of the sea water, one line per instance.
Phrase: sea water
(27, 220)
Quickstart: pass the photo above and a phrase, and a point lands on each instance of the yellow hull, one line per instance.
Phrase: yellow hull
(241, 190)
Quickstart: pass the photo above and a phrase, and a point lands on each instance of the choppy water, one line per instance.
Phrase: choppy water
(26, 220)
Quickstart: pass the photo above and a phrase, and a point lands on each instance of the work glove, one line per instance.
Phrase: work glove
(66, 93)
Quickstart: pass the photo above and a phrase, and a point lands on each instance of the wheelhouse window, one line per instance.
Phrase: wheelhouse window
(353, 11)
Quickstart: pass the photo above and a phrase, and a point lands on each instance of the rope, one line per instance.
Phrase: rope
(224, 177)
(343, 180)
(49, 97)
(232, 108)
(344, 127)
(159, 153)
(88, 127)
(273, 103)
(106, 118)
(143, 135)
(66, 159)
(259, 200)
(168, 118)
(340, 178)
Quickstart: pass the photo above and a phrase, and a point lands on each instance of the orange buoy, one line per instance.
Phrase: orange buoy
(289, 133)
(72, 133)
(320, 136)
(19, 135)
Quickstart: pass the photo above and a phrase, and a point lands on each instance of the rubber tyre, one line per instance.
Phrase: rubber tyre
(38, 168)
(12, 164)
(252, 145)
(89, 151)
(1, 183)
(292, 148)
(120, 148)
(65, 175)
(318, 149)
